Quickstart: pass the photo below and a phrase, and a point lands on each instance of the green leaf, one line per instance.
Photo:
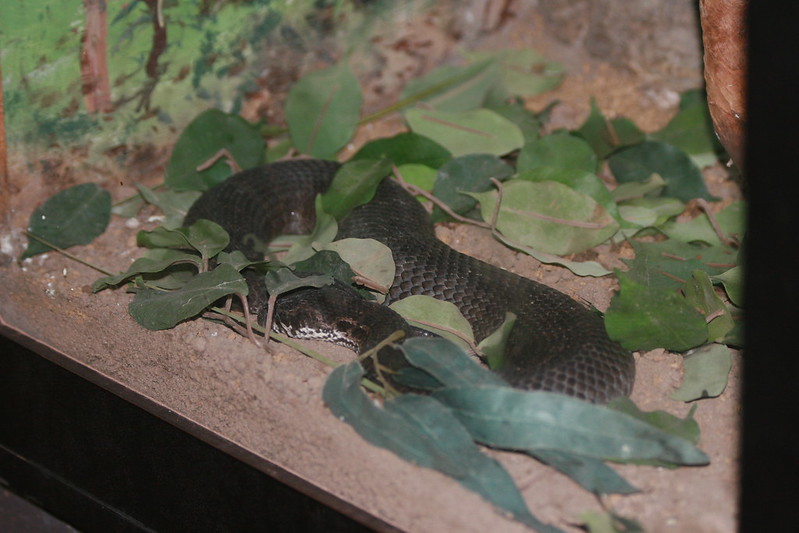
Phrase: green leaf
(208, 238)
(405, 148)
(638, 163)
(644, 318)
(607, 135)
(448, 363)
(662, 209)
(468, 173)
(440, 317)
(174, 204)
(686, 428)
(455, 88)
(283, 280)
(421, 176)
(368, 258)
(524, 72)
(669, 264)
(467, 132)
(637, 216)
(322, 111)
(526, 120)
(691, 130)
(329, 262)
(548, 216)
(508, 418)
(211, 131)
(580, 268)
(156, 310)
(493, 346)
(590, 473)
(559, 150)
(637, 189)
(73, 216)
(238, 260)
(731, 220)
(422, 431)
(700, 293)
(153, 261)
(732, 280)
(577, 179)
(706, 371)
(354, 184)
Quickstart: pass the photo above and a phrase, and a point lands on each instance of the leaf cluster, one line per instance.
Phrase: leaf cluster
(467, 406)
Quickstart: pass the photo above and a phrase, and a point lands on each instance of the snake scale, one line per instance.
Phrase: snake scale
(556, 343)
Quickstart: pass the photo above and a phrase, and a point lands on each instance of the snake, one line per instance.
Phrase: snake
(556, 344)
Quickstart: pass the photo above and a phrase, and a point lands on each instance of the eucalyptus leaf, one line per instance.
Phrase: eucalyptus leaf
(662, 209)
(368, 258)
(577, 179)
(323, 109)
(440, 317)
(448, 363)
(700, 293)
(329, 262)
(732, 280)
(404, 149)
(238, 260)
(468, 173)
(155, 260)
(73, 216)
(524, 71)
(559, 150)
(483, 474)
(200, 141)
(638, 189)
(421, 176)
(642, 217)
(354, 184)
(527, 121)
(691, 130)
(643, 317)
(455, 88)
(607, 135)
(637, 163)
(208, 238)
(548, 216)
(156, 310)
(731, 220)
(283, 280)
(706, 372)
(422, 431)
(513, 419)
(467, 132)
(174, 204)
(669, 264)
(580, 268)
(493, 346)
(591, 473)
(686, 428)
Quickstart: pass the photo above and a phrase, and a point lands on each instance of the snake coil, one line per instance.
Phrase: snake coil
(556, 343)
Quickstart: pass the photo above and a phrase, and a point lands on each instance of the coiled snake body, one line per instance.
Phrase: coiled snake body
(556, 343)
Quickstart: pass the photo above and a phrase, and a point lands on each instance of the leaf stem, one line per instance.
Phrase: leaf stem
(67, 254)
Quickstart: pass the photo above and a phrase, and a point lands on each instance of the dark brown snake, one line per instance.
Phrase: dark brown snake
(556, 343)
